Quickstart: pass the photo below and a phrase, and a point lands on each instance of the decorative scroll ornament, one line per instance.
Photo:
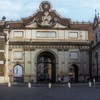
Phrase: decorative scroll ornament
(46, 20)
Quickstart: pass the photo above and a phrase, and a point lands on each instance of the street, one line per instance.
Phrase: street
(54, 93)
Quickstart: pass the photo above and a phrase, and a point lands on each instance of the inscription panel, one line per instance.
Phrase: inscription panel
(46, 34)
(18, 34)
(17, 55)
(73, 35)
(74, 55)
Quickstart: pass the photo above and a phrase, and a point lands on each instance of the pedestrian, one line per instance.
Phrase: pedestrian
(59, 79)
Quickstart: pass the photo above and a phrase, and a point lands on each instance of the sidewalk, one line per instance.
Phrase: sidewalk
(52, 84)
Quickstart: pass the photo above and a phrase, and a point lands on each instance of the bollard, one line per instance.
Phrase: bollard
(49, 85)
(29, 85)
(89, 84)
(69, 85)
(9, 84)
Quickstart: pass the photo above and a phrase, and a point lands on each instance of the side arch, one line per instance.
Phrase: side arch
(18, 73)
(74, 69)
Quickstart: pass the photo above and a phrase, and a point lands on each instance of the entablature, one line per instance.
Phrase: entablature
(48, 45)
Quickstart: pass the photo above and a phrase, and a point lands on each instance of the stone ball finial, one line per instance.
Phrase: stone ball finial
(45, 6)
(3, 18)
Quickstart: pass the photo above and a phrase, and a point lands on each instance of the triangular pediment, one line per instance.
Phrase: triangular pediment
(45, 17)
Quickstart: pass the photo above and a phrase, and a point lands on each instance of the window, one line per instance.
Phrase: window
(1, 62)
(74, 55)
(1, 50)
(73, 35)
(17, 55)
(2, 37)
(18, 34)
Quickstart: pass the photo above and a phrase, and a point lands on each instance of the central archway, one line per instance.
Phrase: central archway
(46, 67)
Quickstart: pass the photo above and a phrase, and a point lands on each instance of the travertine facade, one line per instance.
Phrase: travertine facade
(96, 49)
(46, 46)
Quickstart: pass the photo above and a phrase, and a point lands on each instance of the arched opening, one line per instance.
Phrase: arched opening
(18, 73)
(46, 67)
(74, 70)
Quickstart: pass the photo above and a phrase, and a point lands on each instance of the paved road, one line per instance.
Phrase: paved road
(55, 93)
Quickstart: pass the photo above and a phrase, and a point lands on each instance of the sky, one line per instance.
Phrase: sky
(76, 10)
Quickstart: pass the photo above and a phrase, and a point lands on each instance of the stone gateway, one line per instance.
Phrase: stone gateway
(46, 47)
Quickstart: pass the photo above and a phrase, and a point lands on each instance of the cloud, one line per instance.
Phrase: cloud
(94, 4)
(74, 9)
(9, 8)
